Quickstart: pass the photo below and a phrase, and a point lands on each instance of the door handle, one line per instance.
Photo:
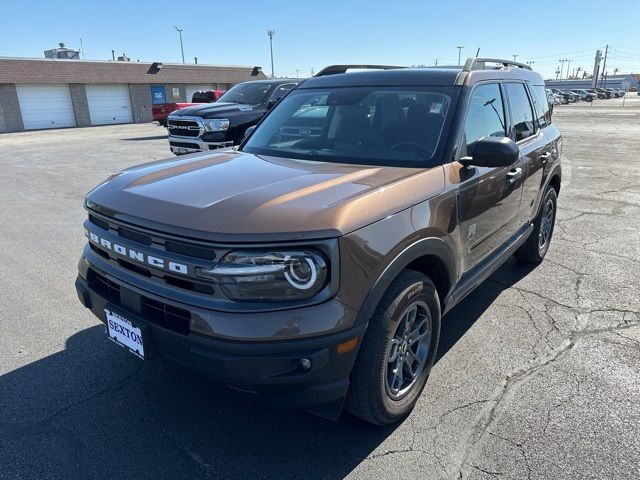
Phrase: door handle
(514, 174)
(545, 156)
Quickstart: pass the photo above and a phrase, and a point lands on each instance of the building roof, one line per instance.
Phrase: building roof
(52, 71)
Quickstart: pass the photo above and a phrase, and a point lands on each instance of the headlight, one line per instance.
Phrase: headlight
(216, 124)
(265, 275)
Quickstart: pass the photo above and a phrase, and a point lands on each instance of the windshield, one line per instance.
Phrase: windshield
(399, 126)
(248, 93)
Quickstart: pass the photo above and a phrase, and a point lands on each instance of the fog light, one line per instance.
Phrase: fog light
(305, 363)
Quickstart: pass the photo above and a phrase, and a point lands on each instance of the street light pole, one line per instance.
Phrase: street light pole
(181, 47)
(271, 34)
(514, 57)
(459, 47)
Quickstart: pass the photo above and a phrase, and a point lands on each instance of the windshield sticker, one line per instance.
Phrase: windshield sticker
(436, 107)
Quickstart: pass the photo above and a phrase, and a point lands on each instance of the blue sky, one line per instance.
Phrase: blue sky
(315, 34)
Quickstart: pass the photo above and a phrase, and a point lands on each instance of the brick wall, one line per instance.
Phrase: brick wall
(141, 102)
(80, 105)
(10, 109)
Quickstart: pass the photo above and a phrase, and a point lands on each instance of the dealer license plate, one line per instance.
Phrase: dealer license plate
(124, 333)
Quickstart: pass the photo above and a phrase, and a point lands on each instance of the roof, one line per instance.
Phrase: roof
(421, 76)
(52, 71)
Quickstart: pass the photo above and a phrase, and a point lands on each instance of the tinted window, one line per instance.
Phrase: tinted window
(542, 106)
(249, 93)
(281, 91)
(381, 125)
(521, 111)
(485, 117)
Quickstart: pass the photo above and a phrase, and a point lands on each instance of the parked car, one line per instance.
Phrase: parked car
(161, 111)
(566, 97)
(311, 266)
(201, 128)
(612, 92)
(597, 93)
(621, 93)
(606, 93)
(584, 95)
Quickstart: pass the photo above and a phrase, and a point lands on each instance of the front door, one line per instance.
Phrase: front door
(488, 198)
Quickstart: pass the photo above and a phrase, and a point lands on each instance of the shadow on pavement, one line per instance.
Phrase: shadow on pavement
(141, 139)
(94, 411)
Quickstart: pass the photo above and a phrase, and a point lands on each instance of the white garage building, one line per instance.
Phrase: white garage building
(55, 93)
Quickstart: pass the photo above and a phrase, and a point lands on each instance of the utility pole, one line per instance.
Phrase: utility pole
(195, 59)
(514, 57)
(604, 65)
(271, 34)
(436, 62)
(113, 55)
(297, 73)
(561, 67)
(568, 67)
(557, 73)
(181, 47)
(459, 47)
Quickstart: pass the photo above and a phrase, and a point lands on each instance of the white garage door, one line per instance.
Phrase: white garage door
(45, 106)
(191, 89)
(109, 104)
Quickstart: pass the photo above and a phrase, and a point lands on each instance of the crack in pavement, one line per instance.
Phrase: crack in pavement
(515, 379)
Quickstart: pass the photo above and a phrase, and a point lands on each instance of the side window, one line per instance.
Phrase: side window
(542, 105)
(521, 111)
(485, 117)
(281, 91)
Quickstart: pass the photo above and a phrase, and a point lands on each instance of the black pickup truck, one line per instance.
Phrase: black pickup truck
(222, 124)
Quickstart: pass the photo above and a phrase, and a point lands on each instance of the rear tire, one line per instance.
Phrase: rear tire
(537, 245)
(397, 352)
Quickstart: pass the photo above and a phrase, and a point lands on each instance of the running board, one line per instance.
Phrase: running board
(474, 277)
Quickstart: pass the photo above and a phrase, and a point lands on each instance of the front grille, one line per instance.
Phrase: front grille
(184, 128)
(105, 287)
(161, 314)
(167, 316)
(195, 146)
(164, 246)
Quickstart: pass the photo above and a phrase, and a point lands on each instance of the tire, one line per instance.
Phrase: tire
(537, 245)
(376, 395)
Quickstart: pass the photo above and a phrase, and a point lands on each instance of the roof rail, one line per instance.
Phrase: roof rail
(478, 63)
(336, 69)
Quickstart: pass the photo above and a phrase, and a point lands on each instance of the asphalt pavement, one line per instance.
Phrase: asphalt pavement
(538, 374)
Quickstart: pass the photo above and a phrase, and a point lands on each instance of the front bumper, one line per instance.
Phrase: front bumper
(183, 145)
(272, 371)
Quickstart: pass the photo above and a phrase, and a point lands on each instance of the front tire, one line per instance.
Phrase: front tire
(537, 245)
(397, 352)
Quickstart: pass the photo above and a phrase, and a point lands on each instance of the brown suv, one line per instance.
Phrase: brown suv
(312, 265)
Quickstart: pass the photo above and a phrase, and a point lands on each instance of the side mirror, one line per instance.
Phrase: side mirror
(492, 152)
(248, 132)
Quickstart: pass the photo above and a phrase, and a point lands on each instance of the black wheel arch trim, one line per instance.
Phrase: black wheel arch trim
(426, 246)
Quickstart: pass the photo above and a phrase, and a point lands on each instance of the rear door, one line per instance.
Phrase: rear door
(525, 130)
(488, 197)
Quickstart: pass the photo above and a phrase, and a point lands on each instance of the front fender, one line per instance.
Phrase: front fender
(427, 246)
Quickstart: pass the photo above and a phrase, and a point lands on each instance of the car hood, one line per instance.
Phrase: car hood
(213, 110)
(234, 196)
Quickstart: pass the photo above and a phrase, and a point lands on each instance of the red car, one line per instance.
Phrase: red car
(161, 111)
